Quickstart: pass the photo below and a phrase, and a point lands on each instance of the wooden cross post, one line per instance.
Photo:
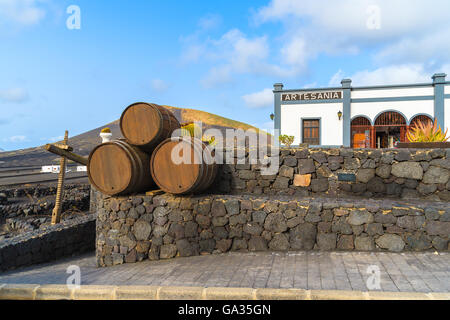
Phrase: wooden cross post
(56, 213)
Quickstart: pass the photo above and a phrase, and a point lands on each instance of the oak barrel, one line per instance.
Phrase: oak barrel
(183, 177)
(147, 124)
(118, 168)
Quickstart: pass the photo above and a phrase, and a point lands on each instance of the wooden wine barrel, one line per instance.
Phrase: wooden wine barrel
(147, 124)
(118, 168)
(187, 177)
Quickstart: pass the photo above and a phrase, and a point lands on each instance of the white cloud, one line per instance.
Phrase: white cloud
(233, 53)
(193, 47)
(350, 17)
(21, 12)
(259, 99)
(394, 74)
(15, 95)
(217, 76)
(243, 50)
(159, 85)
(210, 21)
(192, 52)
(295, 53)
(411, 31)
(15, 139)
(418, 48)
(336, 79)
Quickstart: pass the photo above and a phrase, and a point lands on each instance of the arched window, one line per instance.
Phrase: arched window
(390, 118)
(360, 133)
(422, 118)
(390, 127)
(361, 122)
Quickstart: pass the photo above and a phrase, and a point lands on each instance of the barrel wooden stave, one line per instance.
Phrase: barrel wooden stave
(147, 124)
(181, 178)
(209, 171)
(118, 168)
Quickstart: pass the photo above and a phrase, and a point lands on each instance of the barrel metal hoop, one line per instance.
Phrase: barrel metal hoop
(140, 172)
(132, 181)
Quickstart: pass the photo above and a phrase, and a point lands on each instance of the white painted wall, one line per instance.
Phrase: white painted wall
(447, 114)
(50, 169)
(390, 93)
(447, 89)
(331, 127)
(46, 169)
(55, 169)
(408, 108)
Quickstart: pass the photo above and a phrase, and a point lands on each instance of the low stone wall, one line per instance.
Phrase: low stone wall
(405, 173)
(75, 196)
(40, 190)
(20, 215)
(53, 242)
(131, 229)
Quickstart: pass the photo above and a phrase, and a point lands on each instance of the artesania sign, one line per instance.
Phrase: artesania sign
(320, 95)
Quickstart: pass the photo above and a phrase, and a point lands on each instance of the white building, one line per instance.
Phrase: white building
(50, 169)
(374, 116)
(55, 169)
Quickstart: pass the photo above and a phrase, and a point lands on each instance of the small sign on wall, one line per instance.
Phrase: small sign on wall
(348, 177)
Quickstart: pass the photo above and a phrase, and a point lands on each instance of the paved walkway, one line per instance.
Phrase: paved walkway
(404, 272)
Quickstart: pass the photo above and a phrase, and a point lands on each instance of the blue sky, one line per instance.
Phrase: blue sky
(218, 56)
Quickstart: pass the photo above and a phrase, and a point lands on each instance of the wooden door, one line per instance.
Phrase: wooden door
(311, 132)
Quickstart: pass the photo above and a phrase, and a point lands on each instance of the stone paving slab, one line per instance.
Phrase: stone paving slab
(399, 272)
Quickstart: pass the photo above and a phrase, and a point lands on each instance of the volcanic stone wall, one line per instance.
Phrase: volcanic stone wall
(39, 191)
(69, 237)
(75, 196)
(135, 228)
(378, 173)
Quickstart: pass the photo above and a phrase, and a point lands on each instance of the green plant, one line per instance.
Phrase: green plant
(209, 140)
(189, 129)
(192, 130)
(286, 140)
(426, 132)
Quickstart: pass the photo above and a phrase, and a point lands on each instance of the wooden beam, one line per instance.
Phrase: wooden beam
(154, 192)
(61, 146)
(63, 153)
